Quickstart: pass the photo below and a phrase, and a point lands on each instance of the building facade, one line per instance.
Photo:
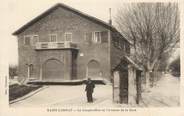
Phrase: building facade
(66, 44)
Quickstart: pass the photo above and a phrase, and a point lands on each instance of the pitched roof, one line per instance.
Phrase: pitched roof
(129, 61)
(47, 12)
(133, 63)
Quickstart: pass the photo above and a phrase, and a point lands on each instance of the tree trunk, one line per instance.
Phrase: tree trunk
(147, 76)
(148, 72)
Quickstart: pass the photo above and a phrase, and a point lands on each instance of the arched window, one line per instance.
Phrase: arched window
(93, 69)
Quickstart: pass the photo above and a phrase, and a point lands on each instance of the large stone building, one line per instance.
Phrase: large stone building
(66, 44)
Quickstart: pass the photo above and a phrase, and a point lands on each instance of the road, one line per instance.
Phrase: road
(67, 96)
(164, 94)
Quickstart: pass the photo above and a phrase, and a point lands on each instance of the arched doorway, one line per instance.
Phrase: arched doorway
(53, 70)
(93, 69)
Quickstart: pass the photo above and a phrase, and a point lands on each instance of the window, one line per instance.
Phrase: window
(104, 37)
(53, 37)
(97, 37)
(116, 42)
(119, 45)
(31, 70)
(35, 39)
(68, 37)
(122, 45)
(27, 40)
(127, 48)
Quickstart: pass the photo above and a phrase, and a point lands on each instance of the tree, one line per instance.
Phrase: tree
(175, 67)
(153, 29)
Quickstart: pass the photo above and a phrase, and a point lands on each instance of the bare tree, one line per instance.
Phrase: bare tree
(153, 28)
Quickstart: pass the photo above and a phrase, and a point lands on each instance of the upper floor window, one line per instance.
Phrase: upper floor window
(68, 37)
(53, 37)
(27, 39)
(116, 42)
(127, 47)
(97, 37)
(122, 45)
(35, 39)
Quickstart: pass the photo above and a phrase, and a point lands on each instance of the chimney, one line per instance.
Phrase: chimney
(110, 21)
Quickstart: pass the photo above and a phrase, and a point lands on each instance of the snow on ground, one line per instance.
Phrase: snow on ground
(164, 94)
(67, 96)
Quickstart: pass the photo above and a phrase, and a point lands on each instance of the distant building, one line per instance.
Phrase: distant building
(65, 44)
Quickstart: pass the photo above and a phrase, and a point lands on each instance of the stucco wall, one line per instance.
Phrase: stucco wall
(63, 56)
(58, 22)
(26, 55)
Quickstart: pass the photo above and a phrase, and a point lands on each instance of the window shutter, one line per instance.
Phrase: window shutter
(127, 48)
(104, 36)
(88, 38)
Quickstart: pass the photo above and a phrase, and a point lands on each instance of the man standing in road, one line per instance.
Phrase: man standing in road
(89, 90)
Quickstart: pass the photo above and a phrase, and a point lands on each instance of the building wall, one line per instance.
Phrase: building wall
(63, 56)
(26, 55)
(58, 22)
(118, 48)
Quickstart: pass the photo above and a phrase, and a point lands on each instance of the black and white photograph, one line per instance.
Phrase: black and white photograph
(92, 54)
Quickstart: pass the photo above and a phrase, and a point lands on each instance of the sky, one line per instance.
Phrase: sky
(16, 13)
